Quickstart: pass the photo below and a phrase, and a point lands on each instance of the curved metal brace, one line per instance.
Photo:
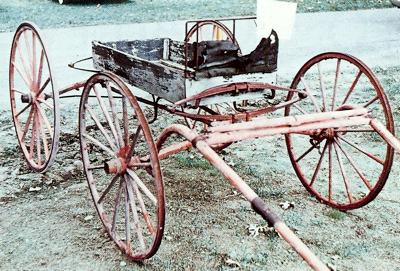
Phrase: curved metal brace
(235, 89)
(72, 65)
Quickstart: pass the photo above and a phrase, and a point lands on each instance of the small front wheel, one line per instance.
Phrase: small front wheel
(122, 166)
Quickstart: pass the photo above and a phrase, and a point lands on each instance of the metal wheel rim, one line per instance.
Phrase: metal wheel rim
(389, 125)
(28, 26)
(152, 249)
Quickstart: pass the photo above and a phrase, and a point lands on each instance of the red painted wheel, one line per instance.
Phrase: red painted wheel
(34, 101)
(122, 166)
(209, 30)
(345, 168)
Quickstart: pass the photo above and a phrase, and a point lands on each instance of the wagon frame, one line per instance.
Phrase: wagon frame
(29, 62)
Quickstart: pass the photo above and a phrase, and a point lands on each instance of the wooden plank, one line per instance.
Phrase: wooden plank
(177, 51)
(150, 49)
(150, 76)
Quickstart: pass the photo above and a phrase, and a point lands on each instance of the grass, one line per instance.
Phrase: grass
(340, 5)
(49, 14)
(193, 160)
(335, 214)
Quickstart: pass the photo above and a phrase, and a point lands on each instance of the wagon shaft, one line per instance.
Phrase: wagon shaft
(318, 123)
(257, 203)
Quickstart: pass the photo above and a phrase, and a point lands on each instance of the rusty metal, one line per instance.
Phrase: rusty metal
(73, 65)
(237, 89)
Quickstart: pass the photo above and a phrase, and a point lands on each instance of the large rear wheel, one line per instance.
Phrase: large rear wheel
(345, 168)
(122, 166)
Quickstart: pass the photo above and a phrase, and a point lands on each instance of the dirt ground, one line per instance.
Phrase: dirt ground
(48, 221)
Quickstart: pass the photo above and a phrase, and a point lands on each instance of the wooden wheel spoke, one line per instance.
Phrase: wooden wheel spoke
(18, 91)
(45, 143)
(306, 152)
(134, 141)
(28, 46)
(101, 128)
(26, 80)
(45, 120)
(136, 223)
(99, 144)
(371, 101)
(300, 109)
(42, 88)
(38, 141)
(108, 188)
(125, 121)
(352, 163)
(45, 103)
(352, 87)
(23, 110)
(335, 84)
(40, 71)
(114, 114)
(370, 155)
(142, 186)
(106, 114)
(322, 87)
(343, 172)
(27, 124)
(38, 150)
(314, 177)
(33, 62)
(142, 205)
(25, 66)
(33, 136)
(330, 168)
(127, 219)
(117, 202)
(310, 95)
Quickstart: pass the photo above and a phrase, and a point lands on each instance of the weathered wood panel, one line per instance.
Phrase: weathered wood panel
(151, 49)
(177, 51)
(150, 76)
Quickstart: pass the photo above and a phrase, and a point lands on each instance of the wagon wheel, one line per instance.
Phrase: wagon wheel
(34, 102)
(345, 168)
(121, 166)
(209, 30)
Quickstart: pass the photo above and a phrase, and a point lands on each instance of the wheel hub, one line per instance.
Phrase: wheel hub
(26, 98)
(330, 134)
(119, 164)
(115, 166)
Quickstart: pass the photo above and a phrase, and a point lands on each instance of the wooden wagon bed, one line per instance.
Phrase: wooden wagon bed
(159, 66)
